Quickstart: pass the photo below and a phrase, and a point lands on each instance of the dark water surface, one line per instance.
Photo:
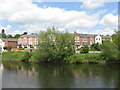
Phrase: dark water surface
(32, 75)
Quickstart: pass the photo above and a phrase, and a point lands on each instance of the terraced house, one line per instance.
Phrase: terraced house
(31, 41)
(89, 39)
(28, 41)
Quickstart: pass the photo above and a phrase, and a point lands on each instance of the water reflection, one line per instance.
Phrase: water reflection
(32, 75)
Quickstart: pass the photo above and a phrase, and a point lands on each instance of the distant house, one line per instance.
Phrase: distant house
(7, 42)
(89, 39)
(28, 41)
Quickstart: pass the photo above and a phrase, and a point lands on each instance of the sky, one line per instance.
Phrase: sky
(84, 16)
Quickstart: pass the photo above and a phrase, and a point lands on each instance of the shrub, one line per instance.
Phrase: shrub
(9, 48)
(5, 48)
(84, 49)
(26, 56)
(21, 48)
(84, 58)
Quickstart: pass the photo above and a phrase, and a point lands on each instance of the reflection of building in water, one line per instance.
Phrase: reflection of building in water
(1, 66)
(21, 70)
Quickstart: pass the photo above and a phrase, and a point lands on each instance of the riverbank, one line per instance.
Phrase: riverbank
(88, 58)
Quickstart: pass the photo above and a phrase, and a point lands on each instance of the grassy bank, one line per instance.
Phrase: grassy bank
(12, 55)
(76, 58)
(85, 58)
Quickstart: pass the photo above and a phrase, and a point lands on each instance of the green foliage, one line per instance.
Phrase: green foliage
(24, 33)
(96, 47)
(26, 56)
(21, 48)
(17, 35)
(12, 55)
(84, 49)
(54, 45)
(3, 34)
(110, 51)
(84, 58)
(9, 48)
(5, 48)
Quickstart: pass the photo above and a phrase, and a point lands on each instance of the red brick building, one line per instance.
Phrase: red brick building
(89, 39)
(10, 42)
(28, 41)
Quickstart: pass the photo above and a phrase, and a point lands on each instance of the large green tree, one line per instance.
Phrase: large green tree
(110, 49)
(54, 45)
(17, 35)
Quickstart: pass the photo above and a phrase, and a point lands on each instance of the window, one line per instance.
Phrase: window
(84, 43)
(76, 38)
(25, 38)
(91, 43)
(77, 43)
(30, 38)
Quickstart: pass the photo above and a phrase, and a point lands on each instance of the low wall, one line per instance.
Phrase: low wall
(95, 51)
(17, 49)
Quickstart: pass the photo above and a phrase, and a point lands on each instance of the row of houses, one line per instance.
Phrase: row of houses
(31, 41)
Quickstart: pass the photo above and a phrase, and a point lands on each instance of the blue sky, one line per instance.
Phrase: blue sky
(83, 17)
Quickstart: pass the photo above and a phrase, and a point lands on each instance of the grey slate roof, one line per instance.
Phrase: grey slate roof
(34, 35)
(87, 35)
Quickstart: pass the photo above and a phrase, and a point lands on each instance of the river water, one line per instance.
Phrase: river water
(33, 75)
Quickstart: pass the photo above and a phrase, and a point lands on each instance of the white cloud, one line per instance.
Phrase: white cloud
(25, 12)
(105, 31)
(32, 28)
(91, 4)
(7, 28)
(109, 20)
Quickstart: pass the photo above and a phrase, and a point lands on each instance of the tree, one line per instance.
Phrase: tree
(54, 46)
(3, 34)
(9, 48)
(110, 51)
(84, 49)
(24, 33)
(3, 31)
(17, 35)
(9, 36)
(96, 47)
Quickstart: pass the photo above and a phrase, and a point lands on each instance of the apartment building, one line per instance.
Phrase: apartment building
(28, 41)
(89, 39)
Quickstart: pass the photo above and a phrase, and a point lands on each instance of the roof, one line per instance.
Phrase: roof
(34, 35)
(87, 35)
(9, 39)
(93, 36)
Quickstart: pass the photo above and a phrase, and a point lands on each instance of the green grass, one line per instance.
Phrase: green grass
(12, 55)
(85, 58)
(76, 58)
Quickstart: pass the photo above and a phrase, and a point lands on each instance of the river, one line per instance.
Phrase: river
(33, 75)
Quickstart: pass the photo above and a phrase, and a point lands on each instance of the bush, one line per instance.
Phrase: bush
(110, 51)
(96, 47)
(9, 48)
(84, 49)
(21, 48)
(84, 58)
(26, 56)
(5, 48)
